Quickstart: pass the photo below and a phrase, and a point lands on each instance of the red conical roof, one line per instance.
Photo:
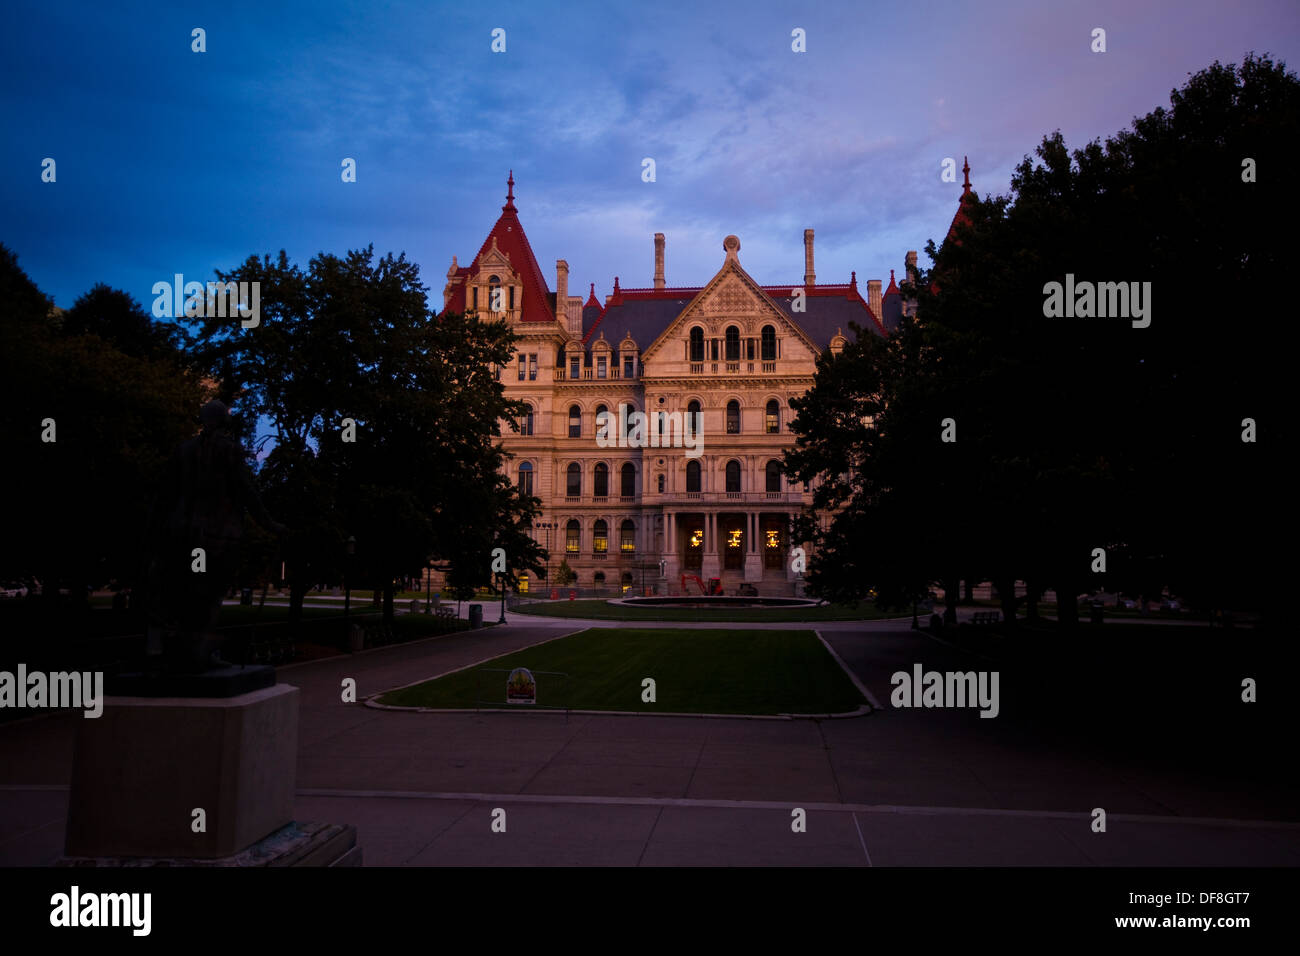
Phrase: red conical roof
(511, 240)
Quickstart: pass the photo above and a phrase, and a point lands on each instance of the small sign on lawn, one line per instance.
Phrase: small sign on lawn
(521, 687)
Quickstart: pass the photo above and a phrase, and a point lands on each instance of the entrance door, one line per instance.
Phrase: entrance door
(692, 547)
(774, 542)
(731, 529)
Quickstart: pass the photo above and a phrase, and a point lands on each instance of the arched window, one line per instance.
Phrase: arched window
(573, 480)
(661, 484)
(526, 479)
(575, 421)
(733, 417)
(697, 344)
(694, 418)
(629, 408)
(526, 424)
(627, 480)
(769, 344)
(773, 476)
(627, 537)
(602, 413)
(772, 419)
(733, 344)
(733, 477)
(600, 537)
(495, 303)
(572, 537)
(692, 477)
(602, 480)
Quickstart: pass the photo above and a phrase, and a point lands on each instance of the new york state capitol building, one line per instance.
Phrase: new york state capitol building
(734, 352)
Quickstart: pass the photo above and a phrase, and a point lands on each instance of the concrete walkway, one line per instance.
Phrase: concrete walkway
(900, 787)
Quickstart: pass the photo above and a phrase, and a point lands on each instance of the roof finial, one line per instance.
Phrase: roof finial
(593, 290)
(966, 169)
(616, 289)
(510, 194)
(853, 283)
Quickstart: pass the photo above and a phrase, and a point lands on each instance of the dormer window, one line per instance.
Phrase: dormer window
(496, 300)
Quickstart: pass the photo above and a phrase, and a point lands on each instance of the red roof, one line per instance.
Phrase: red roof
(893, 286)
(511, 240)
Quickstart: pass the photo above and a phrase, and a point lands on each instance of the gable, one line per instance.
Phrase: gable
(731, 298)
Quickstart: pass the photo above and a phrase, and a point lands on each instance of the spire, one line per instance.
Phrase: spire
(893, 286)
(591, 299)
(965, 168)
(510, 194)
(853, 282)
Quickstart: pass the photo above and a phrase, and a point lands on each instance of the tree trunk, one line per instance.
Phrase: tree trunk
(1007, 593)
(1067, 605)
(950, 595)
(297, 591)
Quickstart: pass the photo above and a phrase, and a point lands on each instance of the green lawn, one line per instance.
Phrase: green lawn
(600, 610)
(695, 671)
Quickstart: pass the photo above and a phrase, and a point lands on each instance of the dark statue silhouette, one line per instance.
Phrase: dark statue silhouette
(200, 504)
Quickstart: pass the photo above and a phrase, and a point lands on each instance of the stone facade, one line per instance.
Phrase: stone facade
(633, 495)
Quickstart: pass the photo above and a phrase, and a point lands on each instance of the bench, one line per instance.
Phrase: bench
(986, 617)
(445, 613)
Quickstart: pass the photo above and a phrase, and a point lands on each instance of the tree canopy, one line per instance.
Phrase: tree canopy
(1079, 433)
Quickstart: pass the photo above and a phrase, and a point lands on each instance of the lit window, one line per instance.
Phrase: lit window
(627, 537)
(600, 538)
(773, 417)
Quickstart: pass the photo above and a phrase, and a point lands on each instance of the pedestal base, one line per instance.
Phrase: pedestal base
(298, 844)
(142, 769)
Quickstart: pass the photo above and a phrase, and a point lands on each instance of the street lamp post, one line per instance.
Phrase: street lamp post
(428, 589)
(502, 576)
(347, 583)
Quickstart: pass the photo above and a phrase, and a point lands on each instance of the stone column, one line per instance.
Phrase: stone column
(711, 566)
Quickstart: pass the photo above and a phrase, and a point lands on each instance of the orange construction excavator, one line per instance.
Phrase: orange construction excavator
(715, 584)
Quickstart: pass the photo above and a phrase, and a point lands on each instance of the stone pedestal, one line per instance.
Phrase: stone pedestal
(142, 768)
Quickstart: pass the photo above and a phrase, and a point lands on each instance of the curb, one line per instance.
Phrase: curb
(862, 711)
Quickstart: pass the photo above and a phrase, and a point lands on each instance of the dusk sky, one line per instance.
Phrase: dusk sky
(173, 161)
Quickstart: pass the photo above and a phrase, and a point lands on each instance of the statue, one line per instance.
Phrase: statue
(200, 505)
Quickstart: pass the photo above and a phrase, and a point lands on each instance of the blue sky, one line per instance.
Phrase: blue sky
(173, 161)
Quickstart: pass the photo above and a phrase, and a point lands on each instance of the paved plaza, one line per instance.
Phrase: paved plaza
(894, 788)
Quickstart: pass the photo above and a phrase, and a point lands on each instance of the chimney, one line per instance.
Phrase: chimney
(659, 260)
(909, 265)
(809, 276)
(561, 290)
(873, 296)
